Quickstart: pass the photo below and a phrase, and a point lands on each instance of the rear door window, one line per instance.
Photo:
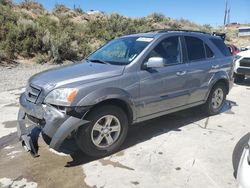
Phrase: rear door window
(221, 46)
(209, 52)
(195, 48)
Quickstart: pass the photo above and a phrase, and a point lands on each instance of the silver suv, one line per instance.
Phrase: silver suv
(129, 80)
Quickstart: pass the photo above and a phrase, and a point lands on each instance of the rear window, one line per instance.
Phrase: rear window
(195, 48)
(221, 46)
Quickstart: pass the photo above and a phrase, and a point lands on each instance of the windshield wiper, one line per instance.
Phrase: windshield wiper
(97, 61)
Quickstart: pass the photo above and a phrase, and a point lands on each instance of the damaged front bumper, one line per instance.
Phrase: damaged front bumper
(54, 123)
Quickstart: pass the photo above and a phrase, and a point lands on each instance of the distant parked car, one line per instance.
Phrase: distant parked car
(233, 49)
(241, 161)
(242, 66)
(245, 48)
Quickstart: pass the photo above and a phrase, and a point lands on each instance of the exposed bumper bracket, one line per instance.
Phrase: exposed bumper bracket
(28, 138)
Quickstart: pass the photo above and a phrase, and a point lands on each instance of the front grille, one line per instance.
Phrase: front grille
(32, 93)
(245, 62)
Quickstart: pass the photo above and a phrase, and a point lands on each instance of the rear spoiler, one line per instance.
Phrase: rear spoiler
(221, 35)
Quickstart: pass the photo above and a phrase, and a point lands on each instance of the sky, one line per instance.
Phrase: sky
(199, 11)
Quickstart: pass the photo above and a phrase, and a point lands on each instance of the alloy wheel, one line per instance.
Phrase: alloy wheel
(217, 98)
(106, 131)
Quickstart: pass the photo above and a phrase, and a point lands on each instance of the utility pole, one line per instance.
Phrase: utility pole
(226, 11)
(228, 16)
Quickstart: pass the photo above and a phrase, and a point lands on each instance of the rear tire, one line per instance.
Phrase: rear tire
(216, 99)
(238, 150)
(239, 78)
(105, 133)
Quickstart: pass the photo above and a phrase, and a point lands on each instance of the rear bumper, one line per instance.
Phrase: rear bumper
(52, 122)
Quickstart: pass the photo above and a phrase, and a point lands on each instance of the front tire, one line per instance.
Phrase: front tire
(216, 99)
(239, 78)
(105, 133)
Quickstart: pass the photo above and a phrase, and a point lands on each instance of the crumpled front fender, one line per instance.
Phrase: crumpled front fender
(65, 130)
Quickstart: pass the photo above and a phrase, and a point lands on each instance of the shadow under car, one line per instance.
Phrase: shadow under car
(141, 132)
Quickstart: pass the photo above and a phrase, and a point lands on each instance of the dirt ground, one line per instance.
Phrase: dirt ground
(184, 149)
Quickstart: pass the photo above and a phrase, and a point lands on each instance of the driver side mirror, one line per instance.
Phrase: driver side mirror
(155, 62)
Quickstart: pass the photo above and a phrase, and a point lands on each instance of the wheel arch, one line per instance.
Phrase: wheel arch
(110, 96)
(224, 81)
(115, 102)
(219, 78)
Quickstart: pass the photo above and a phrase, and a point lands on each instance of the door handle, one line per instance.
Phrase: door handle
(215, 66)
(181, 73)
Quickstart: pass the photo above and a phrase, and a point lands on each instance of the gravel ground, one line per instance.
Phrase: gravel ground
(184, 149)
(16, 77)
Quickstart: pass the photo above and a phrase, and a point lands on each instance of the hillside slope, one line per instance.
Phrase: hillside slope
(27, 30)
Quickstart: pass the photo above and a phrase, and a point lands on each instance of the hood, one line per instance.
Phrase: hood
(76, 74)
(244, 53)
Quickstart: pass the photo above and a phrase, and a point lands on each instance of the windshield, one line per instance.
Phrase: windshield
(120, 51)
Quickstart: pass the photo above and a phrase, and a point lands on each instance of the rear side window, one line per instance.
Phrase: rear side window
(195, 48)
(221, 46)
(209, 52)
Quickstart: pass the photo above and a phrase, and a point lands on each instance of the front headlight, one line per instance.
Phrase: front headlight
(61, 97)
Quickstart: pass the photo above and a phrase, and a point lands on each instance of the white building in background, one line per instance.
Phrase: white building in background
(244, 31)
(94, 12)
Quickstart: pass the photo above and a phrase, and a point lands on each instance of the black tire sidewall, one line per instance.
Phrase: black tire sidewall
(209, 109)
(238, 78)
(46, 138)
(83, 136)
(238, 150)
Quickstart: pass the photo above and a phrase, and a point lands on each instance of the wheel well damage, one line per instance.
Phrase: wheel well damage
(115, 102)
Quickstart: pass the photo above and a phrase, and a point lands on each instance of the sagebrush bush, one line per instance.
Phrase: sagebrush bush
(40, 59)
(66, 34)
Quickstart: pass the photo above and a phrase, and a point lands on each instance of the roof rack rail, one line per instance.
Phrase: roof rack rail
(217, 34)
(183, 30)
(170, 30)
